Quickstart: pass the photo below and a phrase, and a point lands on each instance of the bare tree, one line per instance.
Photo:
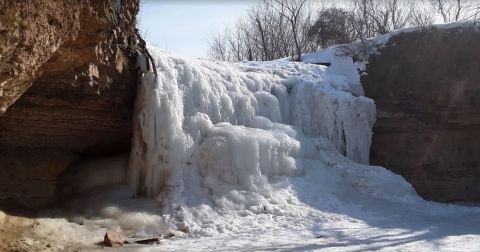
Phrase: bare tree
(380, 17)
(292, 11)
(273, 29)
(217, 47)
(331, 27)
(456, 10)
(421, 14)
(399, 14)
(279, 28)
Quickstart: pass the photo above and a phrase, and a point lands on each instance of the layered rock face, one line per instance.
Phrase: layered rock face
(426, 85)
(67, 86)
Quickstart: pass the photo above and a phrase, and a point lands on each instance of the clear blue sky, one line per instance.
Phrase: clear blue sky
(184, 26)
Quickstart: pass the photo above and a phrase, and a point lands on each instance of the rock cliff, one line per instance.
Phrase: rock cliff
(67, 86)
(426, 85)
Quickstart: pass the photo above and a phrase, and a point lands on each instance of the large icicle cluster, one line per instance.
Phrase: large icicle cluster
(224, 136)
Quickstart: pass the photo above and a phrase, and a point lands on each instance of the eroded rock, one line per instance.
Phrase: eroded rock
(67, 86)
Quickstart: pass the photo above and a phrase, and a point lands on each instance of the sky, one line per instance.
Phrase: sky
(184, 27)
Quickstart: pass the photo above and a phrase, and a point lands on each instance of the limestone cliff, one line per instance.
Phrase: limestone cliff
(426, 85)
(67, 85)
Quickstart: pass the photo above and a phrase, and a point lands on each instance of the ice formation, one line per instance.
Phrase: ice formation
(212, 135)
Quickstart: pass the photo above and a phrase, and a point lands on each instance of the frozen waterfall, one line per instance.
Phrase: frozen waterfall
(192, 101)
(225, 135)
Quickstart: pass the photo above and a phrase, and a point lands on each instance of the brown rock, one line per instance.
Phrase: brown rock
(426, 86)
(67, 86)
(113, 239)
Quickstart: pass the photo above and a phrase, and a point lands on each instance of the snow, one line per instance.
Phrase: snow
(272, 155)
(340, 55)
(83, 221)
(342, 67)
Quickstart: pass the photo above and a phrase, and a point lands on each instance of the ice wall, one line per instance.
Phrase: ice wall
(176, 112)
(217, 134)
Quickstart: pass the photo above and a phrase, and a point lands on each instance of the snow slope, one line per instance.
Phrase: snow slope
(271, 155)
